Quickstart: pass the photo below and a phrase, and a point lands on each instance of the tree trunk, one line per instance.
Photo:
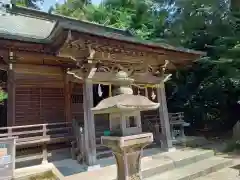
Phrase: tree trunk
(235, 5)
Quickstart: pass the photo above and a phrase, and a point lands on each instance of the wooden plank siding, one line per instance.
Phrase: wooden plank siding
(43, 94)
(35, 105)
(77, 102)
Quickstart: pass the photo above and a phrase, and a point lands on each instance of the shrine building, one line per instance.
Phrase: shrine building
(54, 69)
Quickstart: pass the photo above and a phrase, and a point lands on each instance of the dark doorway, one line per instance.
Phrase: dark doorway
(101, 120)
(96, 97)
(3, 114)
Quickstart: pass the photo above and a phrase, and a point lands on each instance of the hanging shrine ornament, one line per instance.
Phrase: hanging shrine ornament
(100, 93)
(146, 93)
(153, 96)
(139, 91)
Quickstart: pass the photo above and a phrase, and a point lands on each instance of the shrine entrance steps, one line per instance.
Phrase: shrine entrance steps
(183, 164)
(191, 167)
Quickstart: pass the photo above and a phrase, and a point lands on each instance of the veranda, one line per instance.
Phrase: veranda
(55, 69)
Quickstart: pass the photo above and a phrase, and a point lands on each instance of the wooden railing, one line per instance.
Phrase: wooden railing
(39, 134)
(175, 119)
(154, 127)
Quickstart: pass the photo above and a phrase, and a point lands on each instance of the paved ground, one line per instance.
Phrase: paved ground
(231, 173)
(69, 169)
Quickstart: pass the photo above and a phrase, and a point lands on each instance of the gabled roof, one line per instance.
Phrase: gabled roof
(35, 26)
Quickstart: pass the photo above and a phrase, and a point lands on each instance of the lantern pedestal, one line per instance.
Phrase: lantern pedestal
(128, 151)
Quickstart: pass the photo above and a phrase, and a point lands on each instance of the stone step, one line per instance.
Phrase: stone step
(190, 141)
(171, 160)
(230, 173)
(104, 154)
(193, 171)
(101, 149)
(153, 162)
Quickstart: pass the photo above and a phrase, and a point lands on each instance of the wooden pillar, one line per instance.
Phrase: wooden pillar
(11, 89)
(89, 124)
(164, 119)
(67, 97)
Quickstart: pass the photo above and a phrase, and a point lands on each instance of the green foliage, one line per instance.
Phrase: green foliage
(125, 14)
(209, 92)
(49, 175)
(73, 8)
(3, 95)
(232, 146)
(29, 3)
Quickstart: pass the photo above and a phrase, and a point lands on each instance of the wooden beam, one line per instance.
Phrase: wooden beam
(38, 70)
(73, 79)
(110, 90)
(146, 78)
(107, 77)
(92, 73)
(11, 89)
(76, 74)
(30, 57)
(49, 84)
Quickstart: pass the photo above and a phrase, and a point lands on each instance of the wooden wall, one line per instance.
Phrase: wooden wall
(42, 99)
(36, 105)
(42, 96)
(77, 102)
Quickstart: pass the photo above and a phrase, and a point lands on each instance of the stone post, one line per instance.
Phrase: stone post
(128, 152)
(128, 165)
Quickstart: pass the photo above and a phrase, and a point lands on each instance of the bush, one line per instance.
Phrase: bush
(44, 176)
(233, 146)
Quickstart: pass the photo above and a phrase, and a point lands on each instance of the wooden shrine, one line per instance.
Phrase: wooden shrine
(55, 65)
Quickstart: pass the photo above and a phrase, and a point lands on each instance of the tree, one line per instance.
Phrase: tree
(29, 3)
(73, 8)
(141, 17)
(209, 91)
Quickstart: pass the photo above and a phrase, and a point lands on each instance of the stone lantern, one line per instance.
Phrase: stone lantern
(126, 139)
